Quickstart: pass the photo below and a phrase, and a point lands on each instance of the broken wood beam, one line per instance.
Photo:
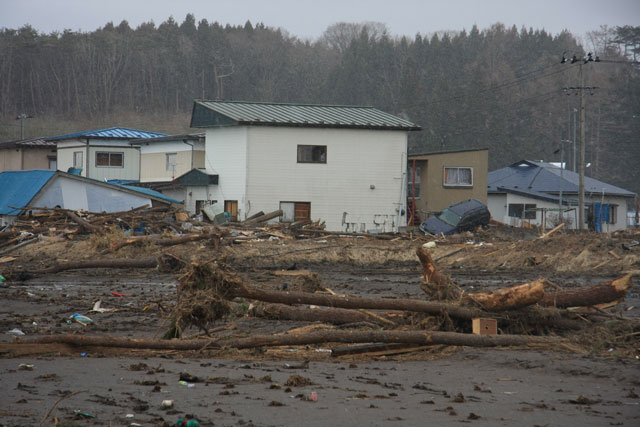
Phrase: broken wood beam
(590, 295)
(550, 232)
(265, 217)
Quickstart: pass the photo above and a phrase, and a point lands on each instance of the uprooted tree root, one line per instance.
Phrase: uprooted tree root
(203, 295)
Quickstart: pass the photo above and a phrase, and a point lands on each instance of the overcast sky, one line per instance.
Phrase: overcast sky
(308, 19)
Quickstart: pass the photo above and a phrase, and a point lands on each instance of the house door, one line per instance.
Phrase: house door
(302, 211)
(231, 207)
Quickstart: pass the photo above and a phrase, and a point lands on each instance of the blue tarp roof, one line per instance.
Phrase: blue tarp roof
(18, 188)
(113, 132)
(546, 178)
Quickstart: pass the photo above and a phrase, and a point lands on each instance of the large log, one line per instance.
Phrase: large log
(160, 241)
(326, 315)
(265, 217)
(82, 223)
(404, 304)
(406, 337)
(591, 295)
(98, 263)
(318, 337)
(507, 298)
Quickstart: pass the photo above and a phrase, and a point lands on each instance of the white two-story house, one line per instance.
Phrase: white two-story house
(346, 166)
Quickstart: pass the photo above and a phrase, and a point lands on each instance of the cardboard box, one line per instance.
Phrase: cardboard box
(484, 326)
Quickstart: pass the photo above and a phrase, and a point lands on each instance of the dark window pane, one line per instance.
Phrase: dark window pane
(102, 159)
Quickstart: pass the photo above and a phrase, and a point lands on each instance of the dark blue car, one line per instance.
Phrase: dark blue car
(463, 216)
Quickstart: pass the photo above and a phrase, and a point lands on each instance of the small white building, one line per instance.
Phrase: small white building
(543, 194)
(342, 165)
(104, 154)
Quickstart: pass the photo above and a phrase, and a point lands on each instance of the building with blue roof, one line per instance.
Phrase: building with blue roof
(103, 154)
(28, 190)
(544, 194)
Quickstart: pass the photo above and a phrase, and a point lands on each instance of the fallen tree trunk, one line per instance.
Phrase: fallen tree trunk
(507, 298)
(326, 315)
(98, 263)
(318, 337)
(591, 295)
(355, 302)
(436, 286)
(406, 337)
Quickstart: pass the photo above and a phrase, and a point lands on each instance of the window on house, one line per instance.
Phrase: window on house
(410, 187)
(77, 159)
(108, 159)
(612, 214)
(53, 163)
(295, 211)
(312, 154)
(520, 210)
(172, 159)
(458, 177)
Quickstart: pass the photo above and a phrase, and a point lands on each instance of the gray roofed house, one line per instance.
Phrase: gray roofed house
(529, 190)
(344, 165)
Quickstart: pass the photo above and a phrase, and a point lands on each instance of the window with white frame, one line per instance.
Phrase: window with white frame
(108, 159)
(77, 159)
(172, 161)
(458, 177)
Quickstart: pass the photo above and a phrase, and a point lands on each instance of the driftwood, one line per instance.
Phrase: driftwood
(318, 337)
(326, 315)
(553, 230)
(507, 298)
(404, 304)
(436, 286)
(591, 295)
(98, 263)
(160, 241)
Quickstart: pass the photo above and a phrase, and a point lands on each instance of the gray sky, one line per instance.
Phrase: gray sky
(308, 19)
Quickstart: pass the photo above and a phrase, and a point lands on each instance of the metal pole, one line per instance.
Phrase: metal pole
(575, 169)
(582, 152)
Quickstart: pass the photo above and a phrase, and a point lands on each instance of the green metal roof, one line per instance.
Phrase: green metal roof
(229, 113)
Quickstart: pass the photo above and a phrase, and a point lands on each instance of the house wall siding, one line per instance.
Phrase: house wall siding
(226, 156)
(10, 159)
(153, 166)
(434, 196)
(341, 188)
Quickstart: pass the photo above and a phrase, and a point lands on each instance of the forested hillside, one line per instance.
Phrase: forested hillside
(500, 88)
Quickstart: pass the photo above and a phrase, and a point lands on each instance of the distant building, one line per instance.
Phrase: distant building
(103, 154)
(342, 165)
(440, 179)
(34, 153)
(535, 192)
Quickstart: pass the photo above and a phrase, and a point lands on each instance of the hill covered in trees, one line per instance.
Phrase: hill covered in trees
(501, 88)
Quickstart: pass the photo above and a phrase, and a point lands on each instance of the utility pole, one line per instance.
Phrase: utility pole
(581, 88)
(582, 151)
(21, 117)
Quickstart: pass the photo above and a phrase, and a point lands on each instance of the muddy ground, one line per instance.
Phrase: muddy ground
(588, 385)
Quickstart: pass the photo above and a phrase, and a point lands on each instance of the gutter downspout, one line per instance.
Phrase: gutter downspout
(86, 174)
(184, 141)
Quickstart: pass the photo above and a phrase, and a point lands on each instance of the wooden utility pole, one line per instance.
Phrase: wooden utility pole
(582, 153)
